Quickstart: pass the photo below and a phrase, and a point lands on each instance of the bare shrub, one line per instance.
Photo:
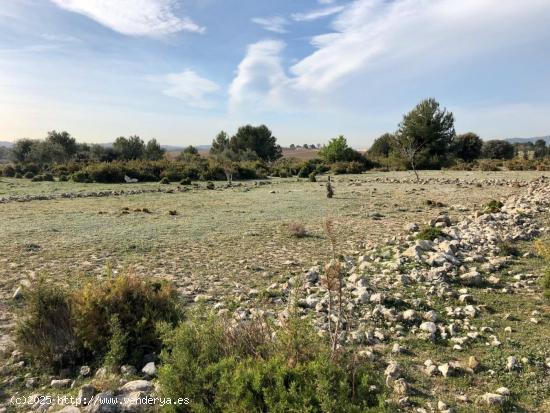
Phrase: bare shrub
(297, 230)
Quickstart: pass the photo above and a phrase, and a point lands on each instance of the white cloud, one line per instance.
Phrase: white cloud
(276, 24)
(377, 45)
(317, 14)
(374, 36)
(191, 88)
(133, 17)
(259, 75)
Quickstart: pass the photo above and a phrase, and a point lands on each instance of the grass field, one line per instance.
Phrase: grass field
(229, 241)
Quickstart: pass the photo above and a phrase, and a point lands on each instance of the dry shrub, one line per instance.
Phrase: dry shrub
(297, 230)
(250, 337)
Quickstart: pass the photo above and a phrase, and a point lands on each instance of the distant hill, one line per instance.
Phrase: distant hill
(5, 144)
(533, 140)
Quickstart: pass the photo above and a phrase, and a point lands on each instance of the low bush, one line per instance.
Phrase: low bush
(46, 332)
(8, 171)
(429, 233)
(185, 181)
(63, 178)
(492, 206)
(47, 176)
(164, 181)
(312, 177)
(507, 249)
(37, 178)
(111, 321)
(210, 185)
(255, 367)
(28, 175)
(137, 304)
(18, 175)
(81, 177)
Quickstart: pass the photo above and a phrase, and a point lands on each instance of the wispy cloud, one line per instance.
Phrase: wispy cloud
(381, 41)
(276, 24)
(133, 17)
(190, 88)
(317, 13)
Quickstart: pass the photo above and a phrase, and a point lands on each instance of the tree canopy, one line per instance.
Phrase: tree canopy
(467, 146)
(257, 139)
(337, 150)
(498, 149)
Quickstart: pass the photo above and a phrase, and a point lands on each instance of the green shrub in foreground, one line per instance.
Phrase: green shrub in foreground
(252, 372)
(112, 321)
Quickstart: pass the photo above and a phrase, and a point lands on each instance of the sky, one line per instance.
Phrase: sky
(182, 70)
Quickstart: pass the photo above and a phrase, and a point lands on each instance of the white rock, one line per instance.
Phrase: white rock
(149, 369)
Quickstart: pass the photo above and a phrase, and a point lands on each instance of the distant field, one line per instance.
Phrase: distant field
(303, 154)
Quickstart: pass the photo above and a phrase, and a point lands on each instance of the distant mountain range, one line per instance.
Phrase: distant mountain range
(533, 140)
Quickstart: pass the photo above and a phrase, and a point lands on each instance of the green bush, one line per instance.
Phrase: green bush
(210, 185)
(28, 175)
(8, 171)
(492, 206)
(18, 175)
(45, 332)
(312, 177)
(164, 181)
(37, 178)
(63, 178)
(112, 321)
(106, 172)
(223, 370)
(47, 177)
(429, 233)
(138, 306)
(185, 181)
(81, 176)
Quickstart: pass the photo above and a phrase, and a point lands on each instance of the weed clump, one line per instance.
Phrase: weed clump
(543, 250)
(312, 177)
(429, 233)
(210, 185)
(185, 181)
(492, 206)
(507, 249)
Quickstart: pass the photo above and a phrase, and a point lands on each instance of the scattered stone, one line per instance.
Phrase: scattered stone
(61, 384)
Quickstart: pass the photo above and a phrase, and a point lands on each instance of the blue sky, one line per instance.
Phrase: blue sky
(181, 70)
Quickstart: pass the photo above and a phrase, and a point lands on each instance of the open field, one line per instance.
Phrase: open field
(230, 245)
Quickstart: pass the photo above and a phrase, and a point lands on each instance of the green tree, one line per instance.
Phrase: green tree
(382, 146)
(540, 148)
(21, 149)
(424, 135)
(131, 148)
(65, 140)
(258, 139)
(153, 150)
(467, 146)
(497, 149)
(191, 150)
(220, 143)
(337, 150)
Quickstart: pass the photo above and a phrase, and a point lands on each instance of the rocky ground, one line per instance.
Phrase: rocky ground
(454, 324)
